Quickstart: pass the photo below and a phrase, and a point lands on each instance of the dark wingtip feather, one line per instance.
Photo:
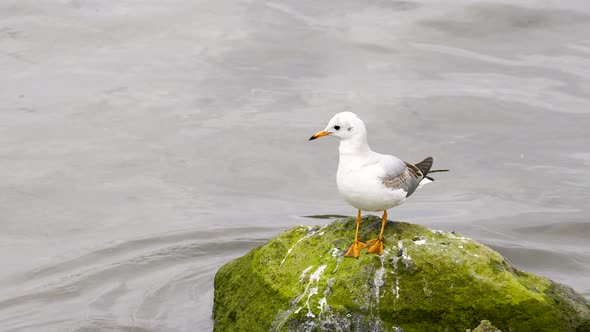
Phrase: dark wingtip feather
(425, 165)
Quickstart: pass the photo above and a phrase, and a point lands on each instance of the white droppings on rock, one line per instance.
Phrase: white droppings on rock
(317, 274)
(304, 273)
(420, 242)
(310, 290)
(325, 309)
(378, 279)
(406, 258)
(313, 291)
(334, 252)
(395, 288)
(395, 259)
(310, 234)
(323, 305)
(314, 278)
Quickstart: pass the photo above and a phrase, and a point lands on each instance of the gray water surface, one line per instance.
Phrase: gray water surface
(143, 144)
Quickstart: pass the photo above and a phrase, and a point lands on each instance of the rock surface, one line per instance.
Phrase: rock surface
(425, 281)
(485, 326)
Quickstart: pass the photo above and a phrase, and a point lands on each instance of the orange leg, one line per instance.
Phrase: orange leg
(376, 246)
(355, 248)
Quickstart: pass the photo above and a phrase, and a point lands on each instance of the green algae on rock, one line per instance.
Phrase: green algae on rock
(426, 280)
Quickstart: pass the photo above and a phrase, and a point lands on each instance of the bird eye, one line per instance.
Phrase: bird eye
(337, 127)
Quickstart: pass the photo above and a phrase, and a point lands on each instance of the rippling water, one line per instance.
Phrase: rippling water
(145, 144)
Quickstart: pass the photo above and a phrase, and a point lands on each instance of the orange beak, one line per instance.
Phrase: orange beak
(319, 134)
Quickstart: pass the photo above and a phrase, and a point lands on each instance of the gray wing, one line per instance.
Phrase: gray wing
(406, 177)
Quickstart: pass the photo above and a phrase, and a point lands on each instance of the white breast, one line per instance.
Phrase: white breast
(359, 182)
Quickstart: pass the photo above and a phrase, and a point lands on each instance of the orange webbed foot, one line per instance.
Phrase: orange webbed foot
(355, 249)
(375, 246)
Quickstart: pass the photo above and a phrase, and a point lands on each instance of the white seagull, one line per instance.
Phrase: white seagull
(368, 180)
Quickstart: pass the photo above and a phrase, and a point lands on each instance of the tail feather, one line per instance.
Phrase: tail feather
(438, 170)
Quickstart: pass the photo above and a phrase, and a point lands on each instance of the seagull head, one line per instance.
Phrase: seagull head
(344, 125)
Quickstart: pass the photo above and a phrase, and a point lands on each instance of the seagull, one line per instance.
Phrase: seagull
(371, 181)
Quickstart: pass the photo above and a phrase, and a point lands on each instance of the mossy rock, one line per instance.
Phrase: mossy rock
(425, 281)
